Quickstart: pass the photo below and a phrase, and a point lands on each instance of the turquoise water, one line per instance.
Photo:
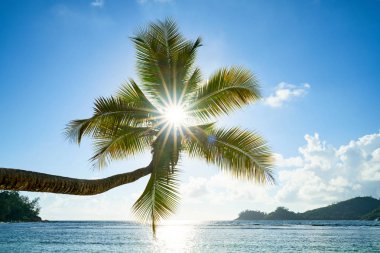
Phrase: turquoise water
(219, 236)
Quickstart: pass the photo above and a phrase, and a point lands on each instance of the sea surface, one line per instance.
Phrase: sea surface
(214, 236)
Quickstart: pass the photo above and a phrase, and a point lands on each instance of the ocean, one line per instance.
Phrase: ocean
(213, 236)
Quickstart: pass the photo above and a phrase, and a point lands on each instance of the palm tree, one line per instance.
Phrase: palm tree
(171, 113)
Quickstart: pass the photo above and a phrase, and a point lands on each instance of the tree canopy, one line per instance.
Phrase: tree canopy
(172, 111)
(15, 207)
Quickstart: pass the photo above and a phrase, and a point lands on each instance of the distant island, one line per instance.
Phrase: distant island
(359, 208)
(17, 208)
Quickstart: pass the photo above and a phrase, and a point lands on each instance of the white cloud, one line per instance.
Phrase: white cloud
(319, 175)
(221, 197)
(220, 189)
(330, 173)
(97, 3)
(288, 162)
(285, 92)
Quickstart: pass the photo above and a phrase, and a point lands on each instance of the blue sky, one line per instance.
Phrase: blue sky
(318, 66)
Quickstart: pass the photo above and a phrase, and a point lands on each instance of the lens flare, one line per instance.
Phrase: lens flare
(175, 115)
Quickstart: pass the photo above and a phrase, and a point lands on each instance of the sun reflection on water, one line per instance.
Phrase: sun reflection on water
(175, 236)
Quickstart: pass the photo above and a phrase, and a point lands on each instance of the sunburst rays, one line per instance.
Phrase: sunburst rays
(172, 112)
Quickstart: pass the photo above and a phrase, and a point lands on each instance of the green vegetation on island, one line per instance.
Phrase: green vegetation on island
(15, 207)
(374, 215)
(359, 208)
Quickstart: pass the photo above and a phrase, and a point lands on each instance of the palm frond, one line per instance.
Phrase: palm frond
(129, 108)
(160, 197)
(191, 83)
(164, 59)
(111, 144)
(227, 90)
(132, 95)
(182, 65)
(242, 153)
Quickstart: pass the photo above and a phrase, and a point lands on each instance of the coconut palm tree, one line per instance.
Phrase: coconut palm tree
(172, 112)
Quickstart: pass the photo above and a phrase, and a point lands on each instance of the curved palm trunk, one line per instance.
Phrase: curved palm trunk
(22, 180)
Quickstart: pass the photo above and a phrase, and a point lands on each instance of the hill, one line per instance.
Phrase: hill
(14, 207)
(353, 209)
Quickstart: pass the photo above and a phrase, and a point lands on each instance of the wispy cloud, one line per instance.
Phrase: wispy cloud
(285, 92)
(76, 18)
(154, 1)
(97, 3)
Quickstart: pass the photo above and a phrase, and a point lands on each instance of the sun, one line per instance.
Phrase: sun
(175, 115)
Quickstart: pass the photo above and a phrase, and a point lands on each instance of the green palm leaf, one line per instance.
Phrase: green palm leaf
(160, 197)
(191, 83)
(118, 144)
(242, 153)
(164, 59)
(129, 108)
(132, 95)
(225, 91)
